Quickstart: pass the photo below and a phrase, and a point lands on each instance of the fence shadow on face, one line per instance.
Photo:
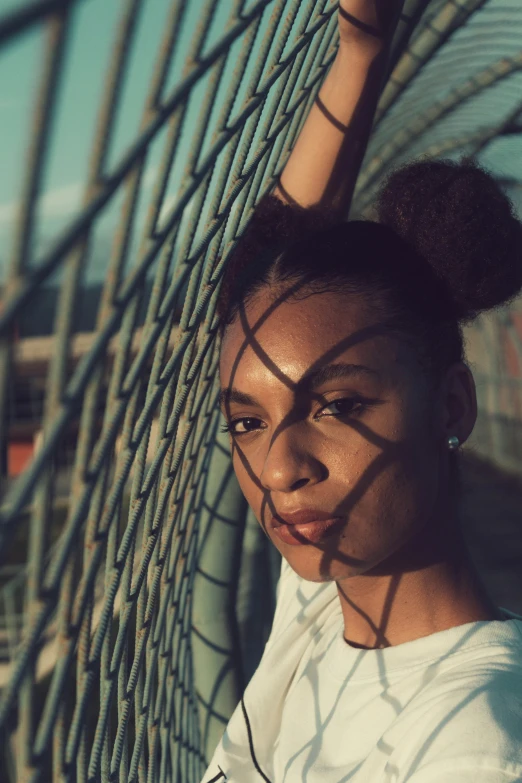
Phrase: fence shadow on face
(389, 451)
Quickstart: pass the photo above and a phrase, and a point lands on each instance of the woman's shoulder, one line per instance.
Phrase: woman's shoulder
(468, 719)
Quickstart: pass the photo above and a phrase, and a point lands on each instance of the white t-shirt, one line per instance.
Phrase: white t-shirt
(446, 708)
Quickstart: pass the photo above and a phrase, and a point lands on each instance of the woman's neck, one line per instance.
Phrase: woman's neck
(420, 590)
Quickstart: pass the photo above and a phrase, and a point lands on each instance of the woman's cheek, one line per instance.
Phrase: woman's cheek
(247, 477)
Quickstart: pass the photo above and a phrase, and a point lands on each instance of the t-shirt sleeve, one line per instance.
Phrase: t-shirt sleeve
(471, 732)
(469, 770)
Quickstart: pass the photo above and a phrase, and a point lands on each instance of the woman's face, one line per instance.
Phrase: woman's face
(362, 441)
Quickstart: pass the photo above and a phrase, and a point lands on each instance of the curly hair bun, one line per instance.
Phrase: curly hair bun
(456, 217)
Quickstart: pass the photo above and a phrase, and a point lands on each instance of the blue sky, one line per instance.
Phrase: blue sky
(92, 31)
(92, 35)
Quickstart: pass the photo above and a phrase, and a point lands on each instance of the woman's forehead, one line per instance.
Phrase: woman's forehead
(299, 335)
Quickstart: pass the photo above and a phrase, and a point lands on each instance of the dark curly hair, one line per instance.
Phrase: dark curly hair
(446, 246)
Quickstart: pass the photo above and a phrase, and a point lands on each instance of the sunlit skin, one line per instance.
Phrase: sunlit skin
(400, 571)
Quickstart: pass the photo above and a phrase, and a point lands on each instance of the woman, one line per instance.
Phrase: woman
(346, 395)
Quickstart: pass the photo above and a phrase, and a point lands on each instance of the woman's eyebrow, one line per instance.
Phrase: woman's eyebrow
(307, 383)
(234, 395)
(333, 372)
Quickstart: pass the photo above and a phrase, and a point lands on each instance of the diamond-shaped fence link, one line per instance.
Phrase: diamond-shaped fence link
(121, 539)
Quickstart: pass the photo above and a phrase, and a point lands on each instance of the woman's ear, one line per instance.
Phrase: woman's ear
(459, 402)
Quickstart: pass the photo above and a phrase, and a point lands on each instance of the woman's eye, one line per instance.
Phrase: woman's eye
(249, 424)
(345, 406)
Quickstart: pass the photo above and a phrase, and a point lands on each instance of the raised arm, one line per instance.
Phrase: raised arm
(323, 165)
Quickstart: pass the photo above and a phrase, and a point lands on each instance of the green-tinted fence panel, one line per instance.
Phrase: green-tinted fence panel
(147, 132)
(123, 648)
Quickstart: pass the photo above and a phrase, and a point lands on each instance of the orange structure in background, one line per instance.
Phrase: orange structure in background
(19, 454)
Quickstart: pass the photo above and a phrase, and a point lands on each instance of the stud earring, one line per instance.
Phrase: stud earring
(453, 442)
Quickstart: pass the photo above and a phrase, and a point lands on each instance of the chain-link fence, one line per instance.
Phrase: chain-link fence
(124, 538)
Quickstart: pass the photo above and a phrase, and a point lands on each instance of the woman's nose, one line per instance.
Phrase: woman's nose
(290, 462)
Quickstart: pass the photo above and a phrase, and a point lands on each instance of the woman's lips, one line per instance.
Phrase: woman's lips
(306, 532)
(302, 516)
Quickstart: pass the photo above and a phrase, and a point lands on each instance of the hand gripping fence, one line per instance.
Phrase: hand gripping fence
(119, 641)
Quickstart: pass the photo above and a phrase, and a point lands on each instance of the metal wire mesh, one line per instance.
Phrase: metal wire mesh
(100, 679)
(120, 653)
